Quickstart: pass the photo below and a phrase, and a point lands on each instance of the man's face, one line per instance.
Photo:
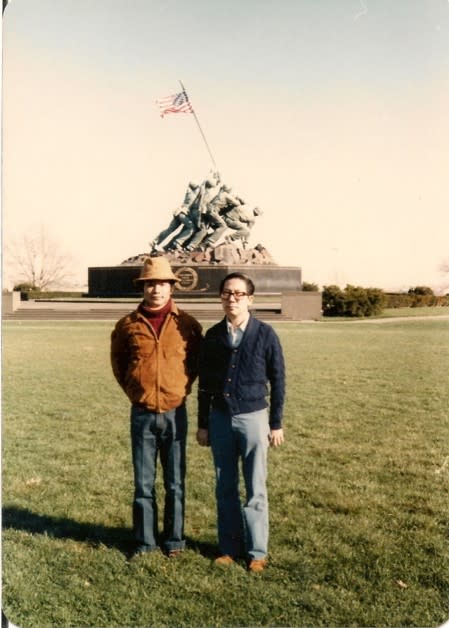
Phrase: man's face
(157, 293)
(235, 299)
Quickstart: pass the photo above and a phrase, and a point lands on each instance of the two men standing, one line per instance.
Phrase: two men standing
(155, 356)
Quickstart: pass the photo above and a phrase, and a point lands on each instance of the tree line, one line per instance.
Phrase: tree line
(356, 301)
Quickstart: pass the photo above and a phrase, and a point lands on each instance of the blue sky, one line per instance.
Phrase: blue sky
(331, 116)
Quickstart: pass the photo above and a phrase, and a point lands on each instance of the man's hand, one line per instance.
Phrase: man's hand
(276, 437)
(202, 437)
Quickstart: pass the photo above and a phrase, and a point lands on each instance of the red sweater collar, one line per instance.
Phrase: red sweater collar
(155, 317)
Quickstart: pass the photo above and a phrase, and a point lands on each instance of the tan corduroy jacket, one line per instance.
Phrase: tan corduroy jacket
(156, 373)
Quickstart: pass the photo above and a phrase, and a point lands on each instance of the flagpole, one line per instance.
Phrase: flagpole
(199, 126)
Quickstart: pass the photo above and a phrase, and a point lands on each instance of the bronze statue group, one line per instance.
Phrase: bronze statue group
(209, 215)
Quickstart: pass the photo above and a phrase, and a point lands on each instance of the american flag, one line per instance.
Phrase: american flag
(176, 103)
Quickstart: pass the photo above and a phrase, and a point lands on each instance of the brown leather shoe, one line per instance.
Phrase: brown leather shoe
(225, 560)
(174, 553)
(256, 565)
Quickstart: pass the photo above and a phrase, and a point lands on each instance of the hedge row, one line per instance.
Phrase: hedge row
(395, 300)
(30, 295)
(357, 301)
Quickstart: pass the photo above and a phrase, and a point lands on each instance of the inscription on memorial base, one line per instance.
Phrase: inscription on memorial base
(188, 279)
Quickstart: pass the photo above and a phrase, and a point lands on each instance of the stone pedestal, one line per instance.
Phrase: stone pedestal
(302, 305)
(10, 301)
(201, 280)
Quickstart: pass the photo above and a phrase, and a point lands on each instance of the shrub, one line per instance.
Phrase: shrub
(353, 301)
(376, 300)
(421, 291)
(309, 287)
(28, 292)
(333, 301)
(398, 299)
(411, 299)
(26, 287)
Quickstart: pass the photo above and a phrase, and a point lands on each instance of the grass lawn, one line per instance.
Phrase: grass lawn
(358, 493)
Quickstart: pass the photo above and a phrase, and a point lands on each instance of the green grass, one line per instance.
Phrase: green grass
(358, 493)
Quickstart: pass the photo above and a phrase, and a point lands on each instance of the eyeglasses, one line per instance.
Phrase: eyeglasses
(237, 294)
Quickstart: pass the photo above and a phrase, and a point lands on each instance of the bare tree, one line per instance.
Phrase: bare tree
(38, 260)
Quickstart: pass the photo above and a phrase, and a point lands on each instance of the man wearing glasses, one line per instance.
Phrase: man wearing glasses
(239, 357)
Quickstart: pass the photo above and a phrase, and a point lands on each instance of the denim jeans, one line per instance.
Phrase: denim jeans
(164, 433)
(245, 437)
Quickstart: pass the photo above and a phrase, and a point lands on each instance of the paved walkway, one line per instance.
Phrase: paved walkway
(110, 310)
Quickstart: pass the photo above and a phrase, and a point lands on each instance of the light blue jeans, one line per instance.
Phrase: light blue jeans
(245, 437)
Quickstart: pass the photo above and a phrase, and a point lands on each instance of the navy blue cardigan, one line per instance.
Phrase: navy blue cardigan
(236, 378)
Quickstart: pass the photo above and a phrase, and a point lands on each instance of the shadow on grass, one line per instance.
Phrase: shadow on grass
(62, 528)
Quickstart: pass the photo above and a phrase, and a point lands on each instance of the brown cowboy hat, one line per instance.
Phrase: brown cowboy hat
(157, 268)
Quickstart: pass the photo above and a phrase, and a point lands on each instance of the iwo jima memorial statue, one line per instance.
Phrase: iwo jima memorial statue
(206, 238)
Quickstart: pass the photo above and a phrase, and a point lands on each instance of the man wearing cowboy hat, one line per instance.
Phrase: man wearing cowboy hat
(154, 357)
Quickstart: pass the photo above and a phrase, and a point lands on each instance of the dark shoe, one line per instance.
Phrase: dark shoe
(224, 561)
(174, 553)
(257, 565)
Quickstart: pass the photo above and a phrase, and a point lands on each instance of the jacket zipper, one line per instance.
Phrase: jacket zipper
(164, 325)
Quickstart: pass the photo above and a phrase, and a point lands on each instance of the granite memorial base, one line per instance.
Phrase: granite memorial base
(301, 306)
(10, 301)
(202, 280)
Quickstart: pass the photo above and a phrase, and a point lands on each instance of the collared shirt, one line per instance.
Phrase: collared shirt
(236, 333)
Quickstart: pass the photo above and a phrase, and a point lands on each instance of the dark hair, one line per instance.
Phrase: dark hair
(249, 282)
